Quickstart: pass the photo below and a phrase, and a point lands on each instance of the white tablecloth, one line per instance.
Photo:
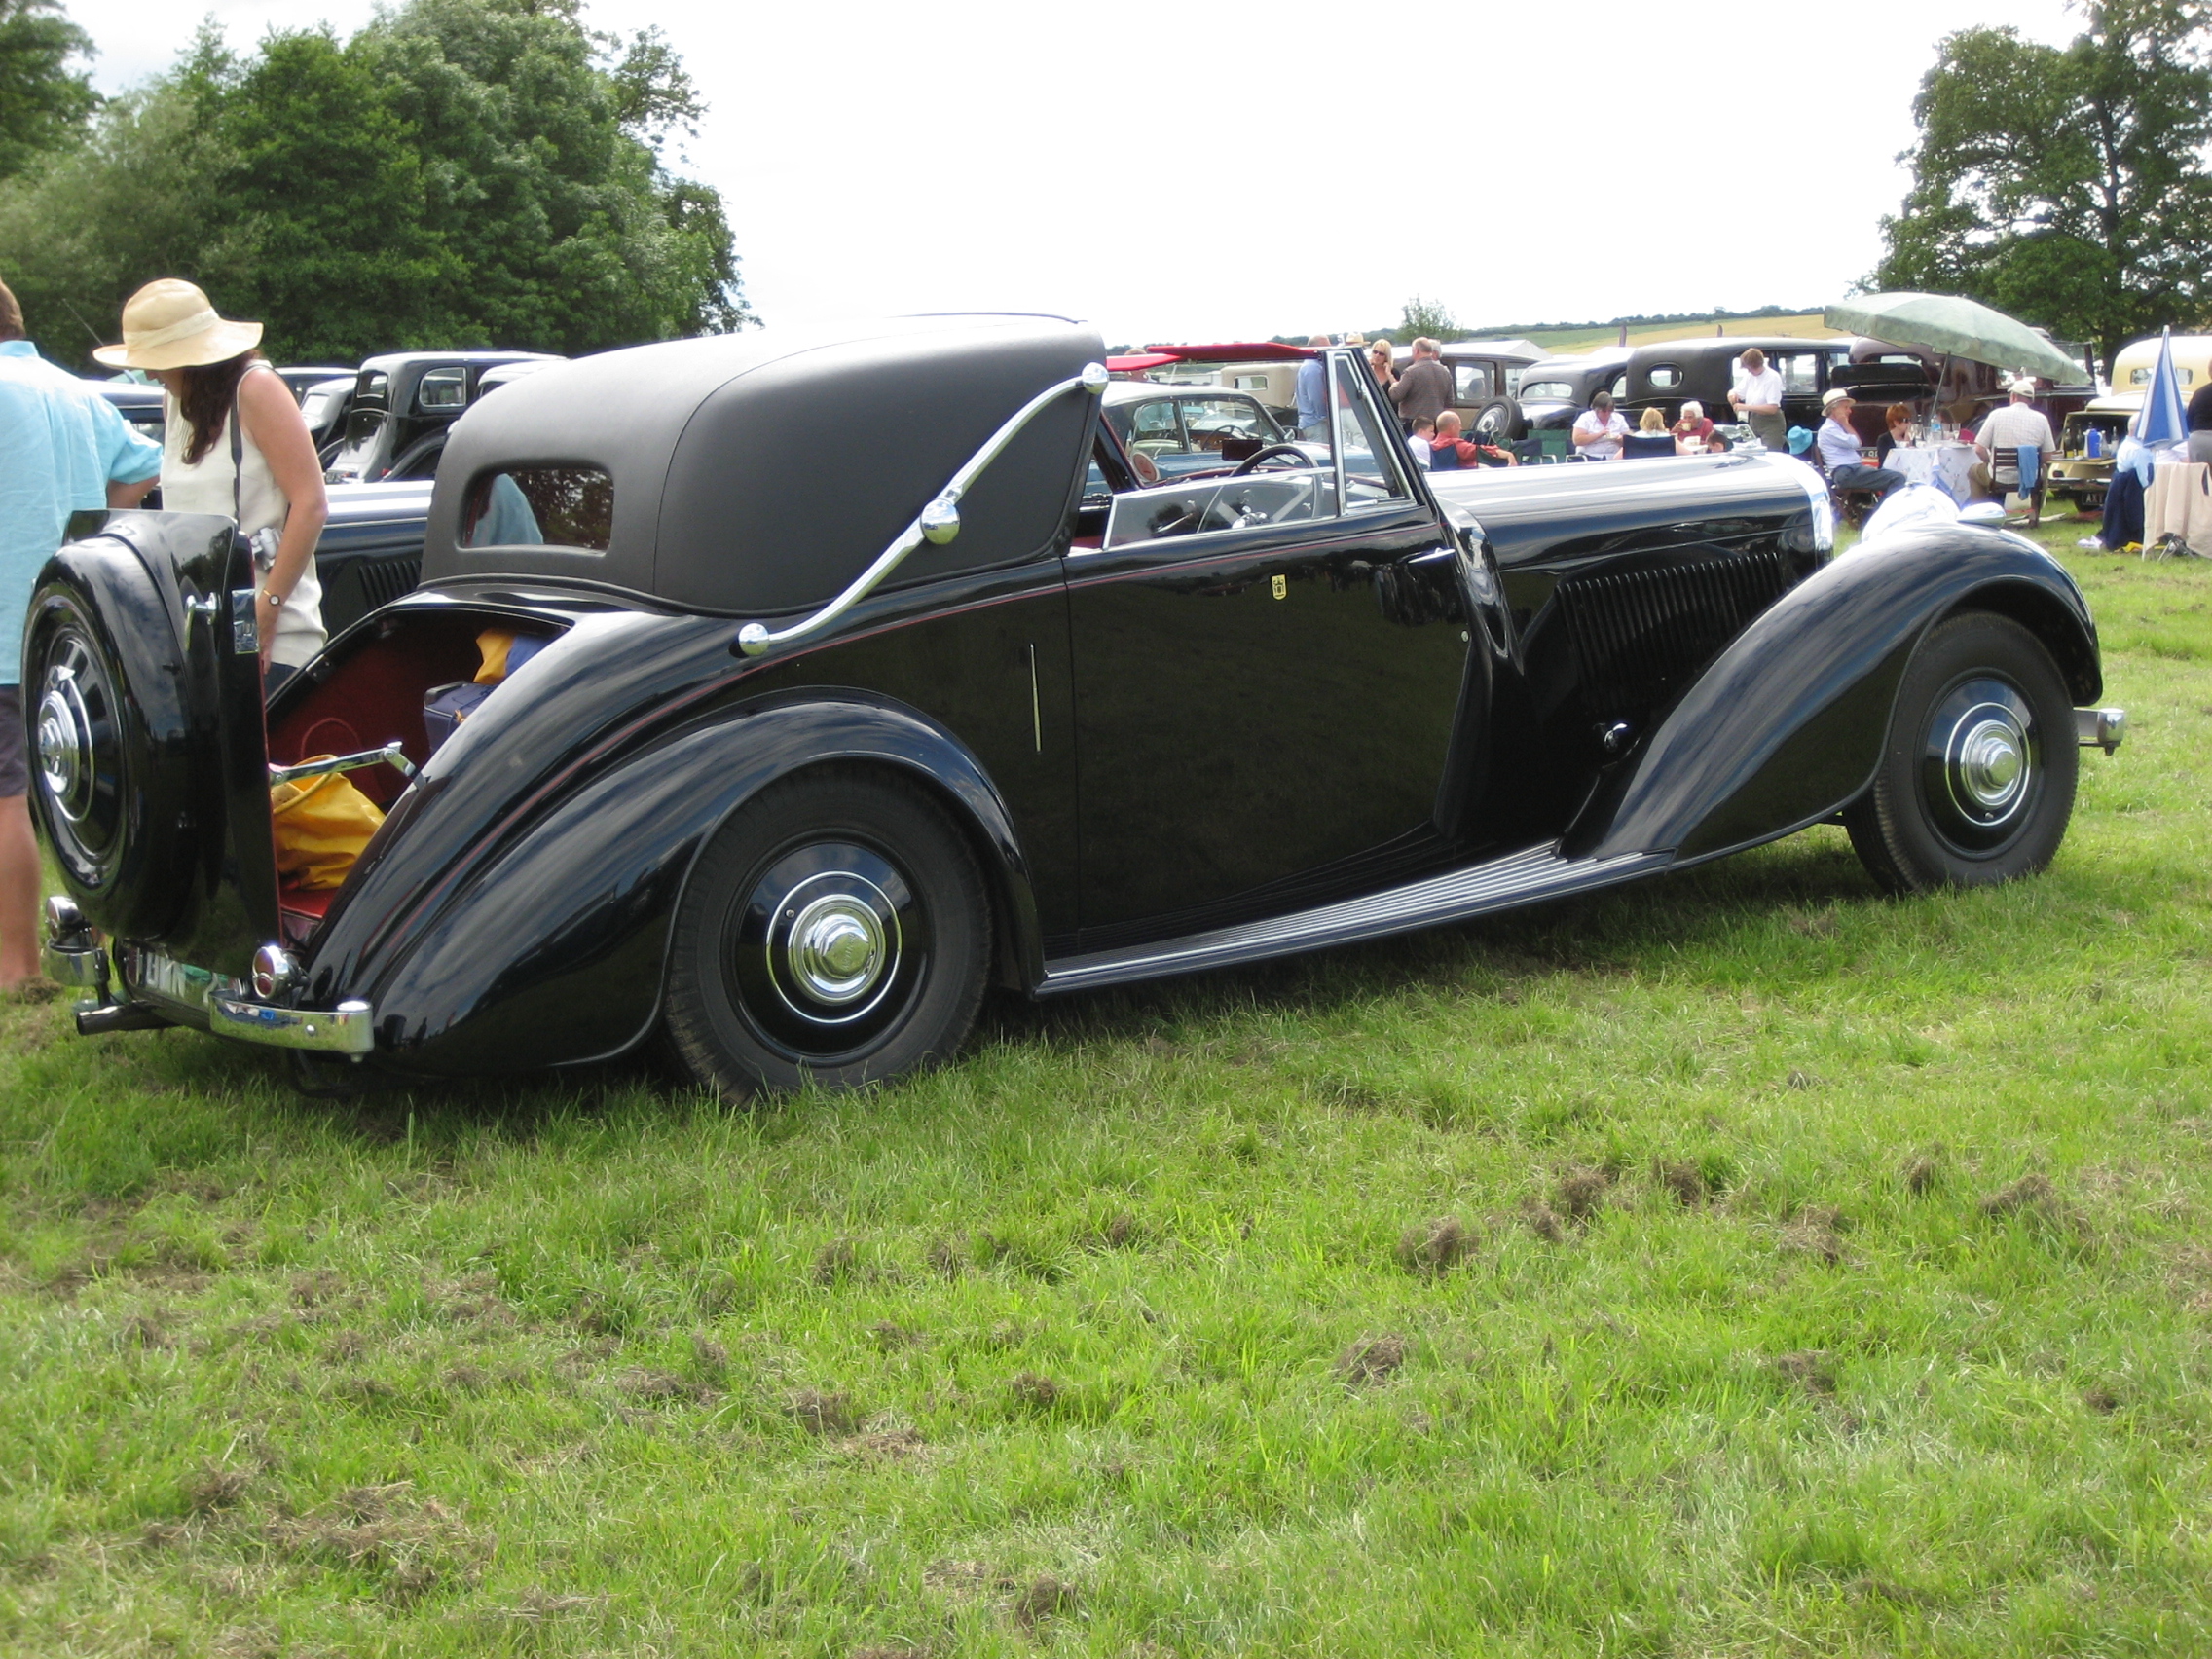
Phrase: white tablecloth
(1917, 465)
(2178, 500)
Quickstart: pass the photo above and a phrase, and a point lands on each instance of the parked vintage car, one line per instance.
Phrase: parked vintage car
(1486, 380)
(371, 550)
(1556, 390)
(1665, 374)
(1189, 428)
(401, 407)
(808, 754)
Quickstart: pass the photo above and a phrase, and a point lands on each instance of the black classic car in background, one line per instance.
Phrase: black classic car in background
(1556, 390)
(812, 753)
(401, 407)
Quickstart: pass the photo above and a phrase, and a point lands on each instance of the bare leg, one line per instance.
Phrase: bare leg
(19, 894)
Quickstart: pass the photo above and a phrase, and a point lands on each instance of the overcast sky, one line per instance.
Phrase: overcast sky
(1185, 172)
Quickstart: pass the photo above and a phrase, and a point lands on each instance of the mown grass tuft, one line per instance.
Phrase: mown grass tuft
(1744, 1263)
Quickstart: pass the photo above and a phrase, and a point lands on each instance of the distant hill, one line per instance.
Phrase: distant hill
(1567, 337)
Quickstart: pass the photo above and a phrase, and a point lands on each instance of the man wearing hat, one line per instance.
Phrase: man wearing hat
(2006, 431)
(62, 449)
(1840, 451)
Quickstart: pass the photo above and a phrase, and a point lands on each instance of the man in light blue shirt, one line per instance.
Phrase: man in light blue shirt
(1314, 394)
(62, 448)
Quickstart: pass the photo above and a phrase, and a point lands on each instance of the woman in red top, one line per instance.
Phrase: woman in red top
(1692, 427)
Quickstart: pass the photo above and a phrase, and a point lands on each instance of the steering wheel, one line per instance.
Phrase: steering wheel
(1273, 452)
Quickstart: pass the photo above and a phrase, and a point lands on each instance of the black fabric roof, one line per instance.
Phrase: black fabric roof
(758, 473)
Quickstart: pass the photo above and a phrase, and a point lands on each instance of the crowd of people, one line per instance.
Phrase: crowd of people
(233, 444)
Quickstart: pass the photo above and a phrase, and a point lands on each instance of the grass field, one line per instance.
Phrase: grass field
(1738, 1263)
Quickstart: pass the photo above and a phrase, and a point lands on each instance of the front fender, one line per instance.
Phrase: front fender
(552, 954)
(1786, 725)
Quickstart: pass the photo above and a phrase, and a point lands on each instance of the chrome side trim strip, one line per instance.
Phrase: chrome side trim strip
(349, 1028)
(938, 521)
(1497, 884)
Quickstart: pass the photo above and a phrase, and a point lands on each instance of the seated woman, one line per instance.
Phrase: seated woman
(1896, 430)
(1650, 438)
(1693, 432)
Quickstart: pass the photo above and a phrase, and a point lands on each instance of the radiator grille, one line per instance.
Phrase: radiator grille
(383, 581)
(1639, 636)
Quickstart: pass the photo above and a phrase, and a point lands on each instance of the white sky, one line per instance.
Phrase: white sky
(1189, 172)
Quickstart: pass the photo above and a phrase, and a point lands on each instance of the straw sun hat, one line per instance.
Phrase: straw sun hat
(169, 324)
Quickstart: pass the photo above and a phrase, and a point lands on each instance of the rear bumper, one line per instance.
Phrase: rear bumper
(156, 991)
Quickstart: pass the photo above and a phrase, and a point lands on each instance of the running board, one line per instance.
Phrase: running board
(1474, 889)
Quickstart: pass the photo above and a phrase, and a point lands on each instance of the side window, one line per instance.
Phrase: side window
(1513, 374)
(1620, 386)
(1800, 372)
(442, 389)
(1153, 425)
(1665, 377)
(1370, 468)
(542, 507)
(1213, 421)
(1470, 383)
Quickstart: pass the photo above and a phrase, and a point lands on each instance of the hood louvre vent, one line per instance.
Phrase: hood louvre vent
(1641, 637)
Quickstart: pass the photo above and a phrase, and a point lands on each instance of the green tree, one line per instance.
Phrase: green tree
(1429, 318)
(2066, 184)
(43, 104)
(460, 172)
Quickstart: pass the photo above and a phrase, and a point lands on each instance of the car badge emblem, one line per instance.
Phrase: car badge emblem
(1279, 586)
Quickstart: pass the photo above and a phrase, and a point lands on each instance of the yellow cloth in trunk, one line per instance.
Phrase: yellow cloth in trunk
(320, 825)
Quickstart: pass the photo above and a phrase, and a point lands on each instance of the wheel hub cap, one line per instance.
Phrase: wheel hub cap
(1986, 755)
(837, 948)
(1992, 765)
(833, 946)
(65, 762)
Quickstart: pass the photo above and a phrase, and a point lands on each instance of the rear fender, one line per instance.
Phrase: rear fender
(553, 954)
(1786, 725)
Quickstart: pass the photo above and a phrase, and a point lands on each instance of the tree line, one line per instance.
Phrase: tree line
(458, 174)
(2066, 185)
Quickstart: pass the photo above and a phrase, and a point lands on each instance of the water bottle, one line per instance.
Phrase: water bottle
(2097, 444)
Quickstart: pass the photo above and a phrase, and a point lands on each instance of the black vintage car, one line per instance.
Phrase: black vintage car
(400, 410)
(811, 753)
(1666, 374)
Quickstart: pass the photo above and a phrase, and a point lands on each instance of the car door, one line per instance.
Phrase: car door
(1265, 686)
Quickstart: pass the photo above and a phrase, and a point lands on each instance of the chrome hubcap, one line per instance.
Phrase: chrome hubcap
(1981, 769)
(839, 948)
(65, 746)
(826, 946)
(1988, 769)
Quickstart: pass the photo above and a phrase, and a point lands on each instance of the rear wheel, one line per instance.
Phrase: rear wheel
(1976, 779)
(837, 930)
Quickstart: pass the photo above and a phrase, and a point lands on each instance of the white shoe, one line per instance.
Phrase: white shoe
(2090, 544)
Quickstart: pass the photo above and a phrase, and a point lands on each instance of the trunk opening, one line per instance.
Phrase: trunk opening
(373, 697)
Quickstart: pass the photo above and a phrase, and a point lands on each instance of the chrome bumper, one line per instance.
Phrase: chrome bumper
(2100, 728)
(159, 991)
(349, 1028)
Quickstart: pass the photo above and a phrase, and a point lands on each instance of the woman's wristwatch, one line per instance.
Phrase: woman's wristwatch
(275, 598)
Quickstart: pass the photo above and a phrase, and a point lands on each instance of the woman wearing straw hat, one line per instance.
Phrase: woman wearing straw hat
(260, 469)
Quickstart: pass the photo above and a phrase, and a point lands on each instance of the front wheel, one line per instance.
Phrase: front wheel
(835, 930)
(1976, 779)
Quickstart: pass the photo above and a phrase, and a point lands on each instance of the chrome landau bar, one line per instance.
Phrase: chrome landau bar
(937, 522)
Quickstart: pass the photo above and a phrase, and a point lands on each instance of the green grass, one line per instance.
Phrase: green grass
(1742, 1263)
(1807, 326)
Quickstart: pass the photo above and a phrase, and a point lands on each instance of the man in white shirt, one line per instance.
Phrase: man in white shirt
(1599, 430)
(1840, 452)
(2003, 433)
(1756, 398)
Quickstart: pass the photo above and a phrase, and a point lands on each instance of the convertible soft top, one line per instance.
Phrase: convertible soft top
(722, 452)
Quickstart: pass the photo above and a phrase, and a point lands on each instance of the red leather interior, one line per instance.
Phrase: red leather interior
(377, 695)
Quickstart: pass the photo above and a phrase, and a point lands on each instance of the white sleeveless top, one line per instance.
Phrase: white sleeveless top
(205, 487)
